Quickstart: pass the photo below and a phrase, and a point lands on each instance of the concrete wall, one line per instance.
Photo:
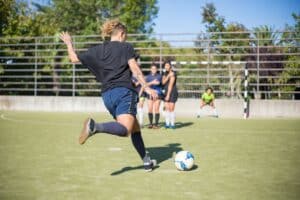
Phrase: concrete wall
(185, 107)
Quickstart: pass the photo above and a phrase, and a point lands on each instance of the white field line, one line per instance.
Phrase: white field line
(4, 117)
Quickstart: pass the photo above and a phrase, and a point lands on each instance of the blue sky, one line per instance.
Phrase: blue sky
(176, 16)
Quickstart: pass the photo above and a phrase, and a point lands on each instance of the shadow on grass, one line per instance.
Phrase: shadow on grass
(161, 154)
(183, 124)
(194, 168)
(177, 124)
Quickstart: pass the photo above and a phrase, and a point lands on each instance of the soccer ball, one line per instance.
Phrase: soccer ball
(184, 160)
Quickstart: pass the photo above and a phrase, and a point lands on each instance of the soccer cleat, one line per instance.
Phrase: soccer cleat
(150, 126)
(166, 126)
(172, 127)
(87, 131)
(155, 127)
(149, 166)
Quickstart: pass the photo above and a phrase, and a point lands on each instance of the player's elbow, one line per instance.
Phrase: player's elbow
(74, 60)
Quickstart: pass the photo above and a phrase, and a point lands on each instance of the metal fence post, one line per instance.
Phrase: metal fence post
(208, 63)
(160, 53)
(73, 72)
(35, 67)
(257, 64)
(246, 98)
(73, 80)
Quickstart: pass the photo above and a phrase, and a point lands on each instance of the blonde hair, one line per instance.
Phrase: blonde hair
(112, 27)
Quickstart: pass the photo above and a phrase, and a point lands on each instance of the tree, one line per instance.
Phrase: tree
(267, 50)
(266, 35)
(87, 16)
(221, 43)
(5, 10)
(213, 22)
(83, 17)
(291, 70)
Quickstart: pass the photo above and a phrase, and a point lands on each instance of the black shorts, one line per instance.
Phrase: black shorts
(173, 96)
(207, 103)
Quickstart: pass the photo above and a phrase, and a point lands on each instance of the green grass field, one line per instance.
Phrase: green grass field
(235, 159)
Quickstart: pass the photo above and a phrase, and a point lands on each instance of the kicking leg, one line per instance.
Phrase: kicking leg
(122, 127)
(138, 143)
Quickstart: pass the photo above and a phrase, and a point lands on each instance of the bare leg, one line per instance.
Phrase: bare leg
(123, 127)
(140, 112)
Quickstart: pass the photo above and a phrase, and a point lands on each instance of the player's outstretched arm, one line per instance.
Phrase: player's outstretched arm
(136, 71)
(66, 38)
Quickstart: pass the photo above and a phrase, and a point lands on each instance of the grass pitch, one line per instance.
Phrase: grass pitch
(235, 159)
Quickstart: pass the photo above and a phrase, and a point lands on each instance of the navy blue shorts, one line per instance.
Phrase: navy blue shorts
(120, 101)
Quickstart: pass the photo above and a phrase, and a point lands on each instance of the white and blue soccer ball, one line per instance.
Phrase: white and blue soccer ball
(184, 160)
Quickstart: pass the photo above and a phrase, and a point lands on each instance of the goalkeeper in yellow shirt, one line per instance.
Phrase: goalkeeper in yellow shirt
(207, 99)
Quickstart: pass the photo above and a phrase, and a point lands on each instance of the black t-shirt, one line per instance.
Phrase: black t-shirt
(166, 85)
(109, 63)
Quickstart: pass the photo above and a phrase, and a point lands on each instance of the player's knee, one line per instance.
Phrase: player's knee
(128, 131)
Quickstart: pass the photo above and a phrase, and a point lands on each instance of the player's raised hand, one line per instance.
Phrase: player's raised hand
(65, 37)
(152, 93)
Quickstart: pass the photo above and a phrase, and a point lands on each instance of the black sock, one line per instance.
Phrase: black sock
(113, 128)
(138, 144)
(150, 115)
(157, 118)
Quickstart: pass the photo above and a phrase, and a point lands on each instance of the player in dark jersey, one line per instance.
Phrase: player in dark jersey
(113, 64)
(154, 81)
(171, 94)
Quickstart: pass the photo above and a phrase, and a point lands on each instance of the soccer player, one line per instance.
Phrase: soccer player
(113, 63)
(171, 94)
(154, 81)
(208, 99)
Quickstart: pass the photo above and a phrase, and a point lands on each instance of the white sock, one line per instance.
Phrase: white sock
(199, 113)
(163, 112)
(167, 118)
(215, 112)
(140, 115)
(172, 118)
